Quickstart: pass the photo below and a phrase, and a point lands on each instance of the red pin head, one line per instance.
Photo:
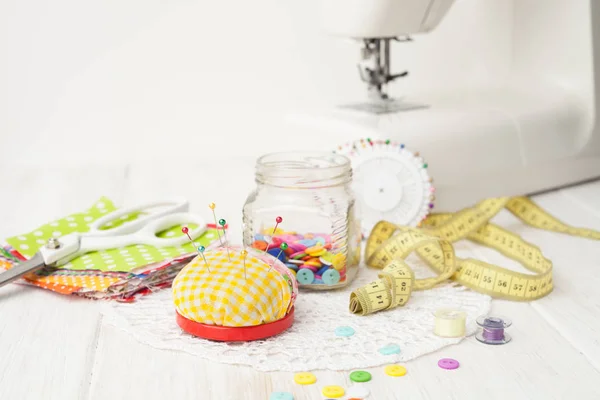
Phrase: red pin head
(278, 220)
(186, 230)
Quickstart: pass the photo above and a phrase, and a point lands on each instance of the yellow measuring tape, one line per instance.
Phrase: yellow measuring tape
(389, 245)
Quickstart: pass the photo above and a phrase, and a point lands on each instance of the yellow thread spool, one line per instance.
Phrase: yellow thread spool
(450, 323)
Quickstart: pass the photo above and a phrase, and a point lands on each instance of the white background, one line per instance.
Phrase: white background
(115, 81)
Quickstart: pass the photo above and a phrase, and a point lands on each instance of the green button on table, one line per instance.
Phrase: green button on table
(360, 376)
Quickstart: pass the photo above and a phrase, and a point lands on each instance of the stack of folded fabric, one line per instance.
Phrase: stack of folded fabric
(120, 274)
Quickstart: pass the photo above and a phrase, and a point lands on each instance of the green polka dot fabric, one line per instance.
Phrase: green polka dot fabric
(122, 260)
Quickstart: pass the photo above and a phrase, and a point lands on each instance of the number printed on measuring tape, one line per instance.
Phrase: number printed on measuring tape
(389, 245)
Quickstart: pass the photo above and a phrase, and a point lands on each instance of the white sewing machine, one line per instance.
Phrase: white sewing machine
(530, 129)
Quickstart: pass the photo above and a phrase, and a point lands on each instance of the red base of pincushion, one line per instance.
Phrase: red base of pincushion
(235, 334)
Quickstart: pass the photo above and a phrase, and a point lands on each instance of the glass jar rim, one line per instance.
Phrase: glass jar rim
(303, 168)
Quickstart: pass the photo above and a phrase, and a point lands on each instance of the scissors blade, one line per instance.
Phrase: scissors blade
(34, 263)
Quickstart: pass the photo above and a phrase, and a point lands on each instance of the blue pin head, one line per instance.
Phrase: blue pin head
(201, 249)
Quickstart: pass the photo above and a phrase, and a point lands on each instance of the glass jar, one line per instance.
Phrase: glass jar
(318, 236)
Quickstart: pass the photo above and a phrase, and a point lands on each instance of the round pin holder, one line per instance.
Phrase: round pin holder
(235, 334)
(450, 323)
(492, 329)
(199, 272)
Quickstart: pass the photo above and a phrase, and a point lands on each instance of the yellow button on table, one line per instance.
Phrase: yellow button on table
(395, 370)
(305, 378)
(333, 391)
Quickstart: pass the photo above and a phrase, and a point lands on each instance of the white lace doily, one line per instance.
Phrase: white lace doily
(311, 344)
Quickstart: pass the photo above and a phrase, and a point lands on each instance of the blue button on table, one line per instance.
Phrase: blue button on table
(390, 349)
(344, 331)
(281, 396)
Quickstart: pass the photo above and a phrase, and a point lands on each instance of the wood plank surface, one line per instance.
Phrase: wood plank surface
(53, 347)
(538, 364)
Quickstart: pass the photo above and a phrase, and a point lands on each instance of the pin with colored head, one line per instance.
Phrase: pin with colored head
(283, 246)
(212, 208)
(186, 231)
(244, 253)
(222, 222)
(278, 220)
(201, 251)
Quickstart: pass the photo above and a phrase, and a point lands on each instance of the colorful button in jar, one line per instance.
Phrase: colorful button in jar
(319, 233)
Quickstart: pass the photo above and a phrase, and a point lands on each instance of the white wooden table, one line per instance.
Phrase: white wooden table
(55, 347)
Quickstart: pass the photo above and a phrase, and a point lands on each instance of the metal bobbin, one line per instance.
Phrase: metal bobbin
(492, 329)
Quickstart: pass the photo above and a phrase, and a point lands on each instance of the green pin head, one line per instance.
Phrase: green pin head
(283, 246)
(222, 222)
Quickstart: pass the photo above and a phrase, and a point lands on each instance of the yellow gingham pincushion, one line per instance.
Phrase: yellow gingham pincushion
(223, 297)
